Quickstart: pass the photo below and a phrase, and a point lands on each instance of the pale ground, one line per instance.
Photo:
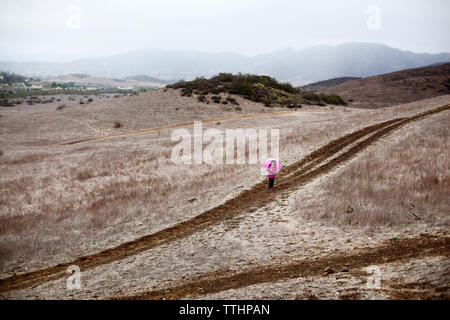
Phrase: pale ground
(351, 285)
(64, 185)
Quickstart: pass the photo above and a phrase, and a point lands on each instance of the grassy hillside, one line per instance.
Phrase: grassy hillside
(394, 88)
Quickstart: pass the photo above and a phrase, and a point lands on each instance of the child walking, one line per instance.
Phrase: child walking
(272, 173)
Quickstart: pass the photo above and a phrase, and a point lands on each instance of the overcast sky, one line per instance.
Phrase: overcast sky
(60, 30)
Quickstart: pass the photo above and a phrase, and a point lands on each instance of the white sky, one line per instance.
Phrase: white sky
(49, 30)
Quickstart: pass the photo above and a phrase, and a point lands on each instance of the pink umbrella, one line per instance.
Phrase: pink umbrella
(267, 163)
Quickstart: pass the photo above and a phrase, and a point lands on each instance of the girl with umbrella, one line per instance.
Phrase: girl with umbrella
(272, 166)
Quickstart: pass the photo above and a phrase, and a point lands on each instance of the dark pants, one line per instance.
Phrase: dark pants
(271, 182)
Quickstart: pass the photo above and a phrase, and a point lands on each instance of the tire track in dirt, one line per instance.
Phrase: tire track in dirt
(186, 124)
(373, 135)
(332, 148)
(389, 251)
(254, 197)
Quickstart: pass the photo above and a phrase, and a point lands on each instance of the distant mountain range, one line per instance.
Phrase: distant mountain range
(132, 82)
(298, 67)
(146, 78)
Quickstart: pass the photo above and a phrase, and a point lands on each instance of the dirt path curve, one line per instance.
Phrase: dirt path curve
(187, 124)
(290, 178)
(390, 251)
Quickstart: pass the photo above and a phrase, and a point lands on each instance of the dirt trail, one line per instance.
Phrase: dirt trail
(390, 251)
(186, 124)
(290, 178)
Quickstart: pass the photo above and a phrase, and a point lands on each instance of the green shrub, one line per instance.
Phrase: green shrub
(333, 99)
(5, 103)
(216, 99)
(232, 100)
(243, 88)
(311, 96)
(223, 77)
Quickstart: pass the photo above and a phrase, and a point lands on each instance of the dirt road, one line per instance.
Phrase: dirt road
(392, 250)
(186, 124)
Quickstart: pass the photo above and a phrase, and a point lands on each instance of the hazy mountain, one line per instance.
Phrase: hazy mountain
(298, 67)
(134, 81)
(329, 83)
(146, 78)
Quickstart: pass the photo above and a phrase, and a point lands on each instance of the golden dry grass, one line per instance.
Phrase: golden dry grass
(404, 179)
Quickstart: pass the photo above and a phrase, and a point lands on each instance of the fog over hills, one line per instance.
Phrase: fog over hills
(298, 67)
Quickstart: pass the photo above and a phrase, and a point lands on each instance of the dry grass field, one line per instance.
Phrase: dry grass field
(405, 180)
(62, 202)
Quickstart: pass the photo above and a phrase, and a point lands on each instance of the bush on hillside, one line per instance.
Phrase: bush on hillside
(333, 99)
(264, 89)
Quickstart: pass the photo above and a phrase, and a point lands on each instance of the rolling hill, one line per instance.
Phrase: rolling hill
(328, 83)
(394, 88)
